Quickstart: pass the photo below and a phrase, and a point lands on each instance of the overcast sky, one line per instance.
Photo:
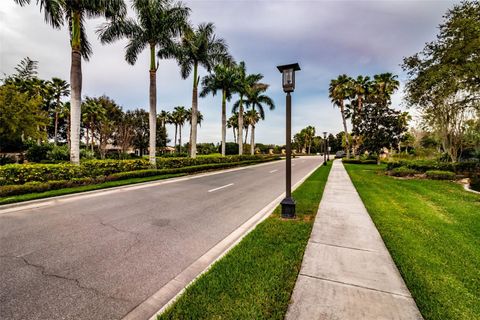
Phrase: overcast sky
(326, 38)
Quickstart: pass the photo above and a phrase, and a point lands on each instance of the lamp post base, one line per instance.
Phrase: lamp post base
(288, 208)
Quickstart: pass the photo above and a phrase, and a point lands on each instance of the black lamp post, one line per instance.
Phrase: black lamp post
(288, 83)
(325, 148)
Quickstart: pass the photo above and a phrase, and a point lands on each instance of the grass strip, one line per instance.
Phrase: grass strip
(432, 230)
(256, 278)
(124, 179)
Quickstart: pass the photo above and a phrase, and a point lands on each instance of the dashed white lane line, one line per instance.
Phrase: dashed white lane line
(225, 186)
(273, 171)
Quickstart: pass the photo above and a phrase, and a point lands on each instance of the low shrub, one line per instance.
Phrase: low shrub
(467, 168)
(402, 172)
(359, 161)
(440, 175)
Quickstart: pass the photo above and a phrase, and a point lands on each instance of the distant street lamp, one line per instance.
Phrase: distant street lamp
(325, 148)
(288, 83)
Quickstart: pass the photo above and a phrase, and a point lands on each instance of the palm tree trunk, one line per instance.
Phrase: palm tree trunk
(246, 134)
(87, 138)
(347, 143)
(152, 119)
(240, 126)
(55, 138)
(234, 134)
(75, 105)
(175, 141)
(252, 141)
(224, 121)
(180, 139)
(193, 128)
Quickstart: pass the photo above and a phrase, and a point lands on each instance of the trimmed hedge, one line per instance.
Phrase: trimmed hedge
(402, 172)
(358, 161)
(23, 173)
(36, 186)
(440, 175)
(467, 168)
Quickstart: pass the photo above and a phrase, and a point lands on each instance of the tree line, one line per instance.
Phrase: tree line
(161, 27)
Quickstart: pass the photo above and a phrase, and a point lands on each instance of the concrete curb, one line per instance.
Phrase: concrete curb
(170, 292)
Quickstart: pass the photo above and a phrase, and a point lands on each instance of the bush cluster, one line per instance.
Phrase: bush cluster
(42, 186)
(359, 161)
(402, 172)
(440, 175)
(466, 168)
(475, 183)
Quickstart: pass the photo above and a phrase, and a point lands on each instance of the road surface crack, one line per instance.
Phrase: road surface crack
(135, 234)
(44, 273)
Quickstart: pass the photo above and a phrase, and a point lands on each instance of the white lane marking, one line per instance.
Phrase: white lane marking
(225, 186)
(273, 171)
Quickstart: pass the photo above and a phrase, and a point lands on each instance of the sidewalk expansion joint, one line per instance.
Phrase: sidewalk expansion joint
(357, 286)
(343, 247)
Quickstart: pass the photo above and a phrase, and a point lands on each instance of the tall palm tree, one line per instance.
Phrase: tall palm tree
(243, 84)
(252, 117)
(199, 47)
(232, 122)
(361, 87)
(339, 91)
(74, 13)
(60, 89)
(223, 78)
(158, 23)
(179, 116)
(385, 84)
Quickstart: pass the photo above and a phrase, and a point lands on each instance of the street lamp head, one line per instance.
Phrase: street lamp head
(288, 76)
(325, 134)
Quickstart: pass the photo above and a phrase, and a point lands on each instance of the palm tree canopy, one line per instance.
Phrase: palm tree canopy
(232, 122)
(252, 117)
(340, 89)
(60, 87)
(199, 117)
(158, 23)
(385, 84)
(224, 77)
(74, 13)
(255, 99)
(200, 46)
(179, 115)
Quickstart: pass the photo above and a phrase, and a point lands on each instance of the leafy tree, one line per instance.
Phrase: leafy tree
(223, 78)
(141, 125)
(162, 137)
(381, 127)
(199, 47)
(125, 131)
(20, 117)
(158, 23)
(444, 82)
(74, 12)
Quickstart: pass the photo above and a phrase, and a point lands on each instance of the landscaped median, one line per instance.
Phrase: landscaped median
(432, 230)
(21, 182)
(256, 278)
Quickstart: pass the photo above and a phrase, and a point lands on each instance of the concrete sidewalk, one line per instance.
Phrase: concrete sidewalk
(347, 272)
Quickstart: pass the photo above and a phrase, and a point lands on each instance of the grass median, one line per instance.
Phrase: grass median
(256, 278)
(432, 230)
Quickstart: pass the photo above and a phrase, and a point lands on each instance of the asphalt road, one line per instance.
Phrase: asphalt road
(98, 257)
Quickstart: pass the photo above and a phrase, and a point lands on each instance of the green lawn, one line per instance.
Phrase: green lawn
(432, 230)
(61, 192)
(256, 278)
